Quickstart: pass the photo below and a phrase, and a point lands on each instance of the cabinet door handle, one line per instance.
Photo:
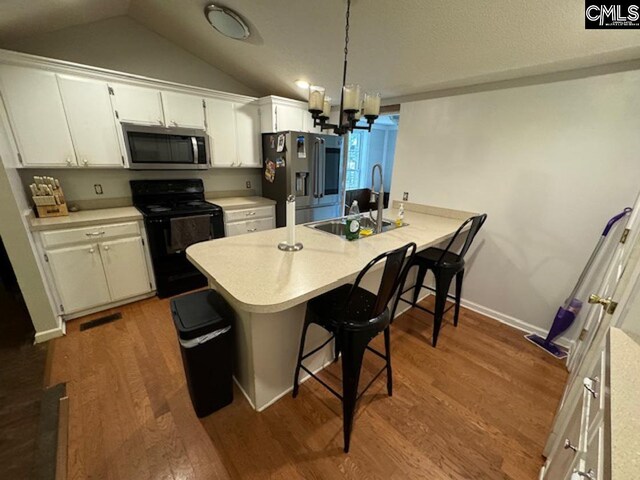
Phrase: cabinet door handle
(569, 446)
(160, 122)
(174, 123)
(85, 162)
(577, 474)
(94, 234)
(251, 229)
(91, 250)
(106, 247)
(250, 214)
(69, 163)
(588, 385)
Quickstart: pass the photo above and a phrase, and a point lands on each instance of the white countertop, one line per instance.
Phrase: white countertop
(625, 398)
(84, 218)
(232, 203)
(260, 278)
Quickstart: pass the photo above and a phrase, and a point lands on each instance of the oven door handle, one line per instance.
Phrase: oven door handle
(194, 146)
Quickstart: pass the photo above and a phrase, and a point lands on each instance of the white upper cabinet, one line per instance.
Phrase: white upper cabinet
(248, 137)
(87, 104)
(138, 104)
(307, 124)
(37, 116)
(234, 131)
(289, 118)
(182, 110)
(280, 114)
(222, 132)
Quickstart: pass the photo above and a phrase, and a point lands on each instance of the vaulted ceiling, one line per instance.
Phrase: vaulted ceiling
(399, 47)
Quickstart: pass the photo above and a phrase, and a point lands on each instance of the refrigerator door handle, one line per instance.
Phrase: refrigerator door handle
(316, 167)
(322, 160)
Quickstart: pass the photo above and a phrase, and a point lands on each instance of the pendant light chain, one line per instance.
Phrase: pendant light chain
(346, 32)
(320, 107)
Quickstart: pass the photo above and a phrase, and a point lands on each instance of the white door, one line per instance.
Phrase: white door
(248, 137)
(289, 118)
(221, 126)
(37, 116)
(139, 105)
(594, 315)
(125, 267)
(79, 277)
(181, 110)
(87, 104)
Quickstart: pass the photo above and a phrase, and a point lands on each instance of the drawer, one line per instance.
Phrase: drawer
(249, 226)
(564, 455)
(88, 234)
(249, 213)
(594, 458)
(594, 384)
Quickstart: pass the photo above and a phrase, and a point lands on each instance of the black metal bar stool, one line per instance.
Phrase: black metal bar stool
(354, 316)
(445, 265)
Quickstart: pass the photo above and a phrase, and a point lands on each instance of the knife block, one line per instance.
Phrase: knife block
(46, 205)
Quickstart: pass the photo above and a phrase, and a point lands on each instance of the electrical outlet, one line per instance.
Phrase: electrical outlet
(405, 196)
(248, 184)
(98, 189)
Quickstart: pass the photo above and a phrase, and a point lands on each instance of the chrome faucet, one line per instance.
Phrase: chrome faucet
(379, 194)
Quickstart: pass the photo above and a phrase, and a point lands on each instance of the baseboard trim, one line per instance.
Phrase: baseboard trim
(502, 318)
(47, 335)
(513, 322)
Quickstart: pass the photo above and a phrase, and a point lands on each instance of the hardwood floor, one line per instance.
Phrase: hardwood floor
(478, 407)
(22, 369)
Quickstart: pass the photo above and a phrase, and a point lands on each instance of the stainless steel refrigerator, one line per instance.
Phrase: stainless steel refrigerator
(307, 165)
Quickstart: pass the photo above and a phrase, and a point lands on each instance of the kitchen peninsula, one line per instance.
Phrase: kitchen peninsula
(269, 288)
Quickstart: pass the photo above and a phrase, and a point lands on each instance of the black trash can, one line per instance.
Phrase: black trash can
(203, 322)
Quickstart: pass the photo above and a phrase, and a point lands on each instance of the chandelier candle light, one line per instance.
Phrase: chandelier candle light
(352, 106)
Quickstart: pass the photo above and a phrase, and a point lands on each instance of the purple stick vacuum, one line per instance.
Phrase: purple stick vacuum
(569, 311)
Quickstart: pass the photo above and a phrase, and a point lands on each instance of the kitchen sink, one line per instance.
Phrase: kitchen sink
(336, 226)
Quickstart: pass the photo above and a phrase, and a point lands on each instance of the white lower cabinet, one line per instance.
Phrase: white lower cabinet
(93, 267)
(249, 226)
(249, 220)
(79, 277)
(579, 448)
(125, 267)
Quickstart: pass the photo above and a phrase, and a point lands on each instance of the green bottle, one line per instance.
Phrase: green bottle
(352, 227)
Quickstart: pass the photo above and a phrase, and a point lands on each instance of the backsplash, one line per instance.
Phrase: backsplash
(79, 184)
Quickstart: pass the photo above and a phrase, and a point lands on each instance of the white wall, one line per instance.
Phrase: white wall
(549, 164)
(121, 43)
(19, 247)
(78, 184)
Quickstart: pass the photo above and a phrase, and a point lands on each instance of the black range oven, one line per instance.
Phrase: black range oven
(169, 204)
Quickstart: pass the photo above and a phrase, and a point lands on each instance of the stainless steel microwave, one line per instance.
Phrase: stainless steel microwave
(160, 148)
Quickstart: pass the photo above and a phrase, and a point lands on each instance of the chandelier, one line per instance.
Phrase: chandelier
(352, 104)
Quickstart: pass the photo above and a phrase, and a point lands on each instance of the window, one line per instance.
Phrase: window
(356, 158)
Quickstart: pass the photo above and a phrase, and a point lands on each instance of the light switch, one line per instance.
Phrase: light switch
(98, 188)
(248, 184)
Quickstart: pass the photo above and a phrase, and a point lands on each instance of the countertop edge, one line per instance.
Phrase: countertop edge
(281, 306)
(61, 223)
